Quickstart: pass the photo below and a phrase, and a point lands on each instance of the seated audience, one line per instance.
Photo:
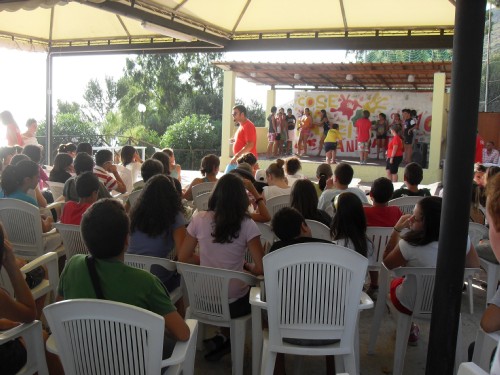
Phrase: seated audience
(224, 233)
(34, 152)
(83, 163)
(68, 148)
(105, 231)
(84, 147)
(149, 168)
(165, 160)
(251, 160)
(6, 155)
(107, 172)
(29, 136)
(34, 193)
(292, 168)
(276, 181)
(304, 199)
(87, 188)
(209, 169)
(323, 173)
(175, 169)
(490, 154)
(417, 248)
(413, 176)
(380, 215)
(17, 180)
(348, 227)
(479, 172)
(157, 225)
(132, 161)
(339, 183)
(62, 168)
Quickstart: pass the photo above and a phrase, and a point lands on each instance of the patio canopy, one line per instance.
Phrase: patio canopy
(372, 76)
(226, 25)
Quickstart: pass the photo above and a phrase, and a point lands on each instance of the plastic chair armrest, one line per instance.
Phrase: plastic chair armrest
(54, 205)
(365, 302)
(181, 347)
(40, 261)
(51, 346)
(16, 332)
(255, 298)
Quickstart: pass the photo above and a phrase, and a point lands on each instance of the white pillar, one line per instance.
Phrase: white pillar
(270, 101)
(228, 128)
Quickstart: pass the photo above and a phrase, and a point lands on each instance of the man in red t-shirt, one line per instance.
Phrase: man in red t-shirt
(87, 188)
(380, 215)
(363, 126)
(478, 158)
(245, 138)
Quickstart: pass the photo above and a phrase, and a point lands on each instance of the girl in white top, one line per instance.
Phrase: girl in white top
(132, 161)
(276, 180)
(292, 168)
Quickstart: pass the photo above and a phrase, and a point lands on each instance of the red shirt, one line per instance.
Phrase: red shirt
(364, 127)
(395, 141)
(246, 133)
(73, 211)
(386, 216)
(479, 149)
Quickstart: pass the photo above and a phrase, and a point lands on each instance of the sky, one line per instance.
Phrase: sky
(23, 77)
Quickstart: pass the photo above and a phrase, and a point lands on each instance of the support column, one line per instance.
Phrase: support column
(438, 129)
(48, 109)
(465, 85)
(270, 101)
(228, 128)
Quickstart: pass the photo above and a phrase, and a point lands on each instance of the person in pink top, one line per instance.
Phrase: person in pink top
(363, 126)
(245, 138)
(223, 233)
(13, 133)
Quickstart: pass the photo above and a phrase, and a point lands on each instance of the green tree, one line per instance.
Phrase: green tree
(100, 101)
(255, 112)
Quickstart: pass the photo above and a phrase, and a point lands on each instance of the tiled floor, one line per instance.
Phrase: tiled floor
(381, 362)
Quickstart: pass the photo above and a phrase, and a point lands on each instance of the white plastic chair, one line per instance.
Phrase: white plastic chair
(379, 236)
(33, 342)
(197, 190)
(424, 281)
(47, 286)
(56, 188)
(207, 290)
(313, 292)
(405, 204)
(132, 197)
(146, 262)
(355, 182)
(276, 203)
(319, 230)
(484, 347)
(102, 337)
(138, 183)
(72, 239)
(201, 200)
(477, 232)
(21, 221)
(267, 236)
(470, 368)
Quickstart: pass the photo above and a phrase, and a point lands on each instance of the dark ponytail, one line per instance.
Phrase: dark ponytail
(14, 175)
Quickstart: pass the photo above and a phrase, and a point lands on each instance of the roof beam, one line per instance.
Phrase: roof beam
(344, 18)
(141, 15)
(349, 68)
(241, 16)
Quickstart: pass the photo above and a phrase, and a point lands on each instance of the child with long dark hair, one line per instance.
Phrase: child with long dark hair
(304, 199)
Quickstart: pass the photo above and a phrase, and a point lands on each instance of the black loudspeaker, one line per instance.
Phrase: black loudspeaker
(419, 154)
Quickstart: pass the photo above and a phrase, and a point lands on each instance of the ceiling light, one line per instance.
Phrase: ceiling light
(297, 76)
(411, 78)
(166, 31)
(349, 77)
(253, 74)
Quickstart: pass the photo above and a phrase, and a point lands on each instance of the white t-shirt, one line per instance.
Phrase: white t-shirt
(416, 256)
(275, 191)
(369, 248)
(329, 195)
(135, 168)
(294, 177)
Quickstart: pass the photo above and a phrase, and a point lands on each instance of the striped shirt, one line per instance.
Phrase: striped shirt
(105, 178)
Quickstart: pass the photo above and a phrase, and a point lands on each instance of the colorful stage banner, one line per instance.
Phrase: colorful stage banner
(345, 107)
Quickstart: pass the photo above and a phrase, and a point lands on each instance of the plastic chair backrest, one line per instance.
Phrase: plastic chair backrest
(56, 189)
(477, 232)
(274, 204)
(138, 183)
(105, 337)
(469, 368)
(267, 236)
(204, 187)
(313, 292)
(201, 201)
(72, 239)
(207, 290)
(146, 262)
(379, 236)
(132, 197)
(424, 278)
(319, 230)
(355, 182)
(405, 204)
(23, 226)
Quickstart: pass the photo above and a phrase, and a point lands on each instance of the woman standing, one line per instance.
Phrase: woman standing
(305, 127)
(13, 133)
(326, 127)
(223, 233)
(394, 154)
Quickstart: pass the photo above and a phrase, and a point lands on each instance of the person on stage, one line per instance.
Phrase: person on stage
(245, 138)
